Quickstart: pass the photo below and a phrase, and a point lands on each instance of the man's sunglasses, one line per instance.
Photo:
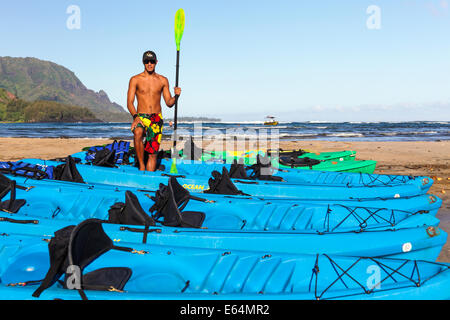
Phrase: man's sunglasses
(149, 61)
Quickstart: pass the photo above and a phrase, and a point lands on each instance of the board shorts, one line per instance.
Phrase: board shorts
(153, 125)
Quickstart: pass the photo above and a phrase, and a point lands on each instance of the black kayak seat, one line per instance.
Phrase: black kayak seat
(173, 212)
(297, 162)
(169, 203)
(12, 205)
(79, 246)
(222, 184)
(130, 212)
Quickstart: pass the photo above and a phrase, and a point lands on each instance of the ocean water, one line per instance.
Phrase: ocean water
(313, 130)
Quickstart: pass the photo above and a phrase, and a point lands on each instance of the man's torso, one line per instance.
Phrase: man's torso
(148, 93)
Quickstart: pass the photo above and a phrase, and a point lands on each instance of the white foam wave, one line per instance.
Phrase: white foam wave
(345, 134)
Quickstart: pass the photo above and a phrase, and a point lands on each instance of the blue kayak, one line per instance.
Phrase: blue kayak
(83, 262)
(200, 184)
(293, 176)
(428, 203)
(231, 224)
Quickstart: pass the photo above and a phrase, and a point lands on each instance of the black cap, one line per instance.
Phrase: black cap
(148, 55)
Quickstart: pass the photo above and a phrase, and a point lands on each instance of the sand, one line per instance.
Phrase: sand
(403, 158)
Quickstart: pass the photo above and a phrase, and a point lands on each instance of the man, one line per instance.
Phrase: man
(148, 87)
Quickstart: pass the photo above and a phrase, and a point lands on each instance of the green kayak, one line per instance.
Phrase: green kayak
(342, 161)
(360, 166)
(322, 156)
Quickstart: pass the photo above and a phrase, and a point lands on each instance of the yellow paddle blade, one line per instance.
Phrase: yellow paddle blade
(179, 27)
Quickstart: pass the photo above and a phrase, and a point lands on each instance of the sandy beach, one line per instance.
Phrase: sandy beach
(403, 158)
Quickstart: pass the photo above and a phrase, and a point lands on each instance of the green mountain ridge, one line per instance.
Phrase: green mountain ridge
(32, 80)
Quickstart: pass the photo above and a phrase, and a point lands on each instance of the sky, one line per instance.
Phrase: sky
(328, 60)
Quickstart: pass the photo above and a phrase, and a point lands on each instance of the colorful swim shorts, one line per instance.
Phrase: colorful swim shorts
(153, 125)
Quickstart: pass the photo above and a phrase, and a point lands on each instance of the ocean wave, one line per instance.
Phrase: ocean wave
(319, 121)
(410, 133)
(345, 134)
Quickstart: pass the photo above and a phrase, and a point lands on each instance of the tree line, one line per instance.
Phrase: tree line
(19, 110)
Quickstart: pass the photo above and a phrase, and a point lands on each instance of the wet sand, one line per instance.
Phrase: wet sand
(430, 159)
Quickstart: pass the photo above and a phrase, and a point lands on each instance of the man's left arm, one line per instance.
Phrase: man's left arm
(170, 101)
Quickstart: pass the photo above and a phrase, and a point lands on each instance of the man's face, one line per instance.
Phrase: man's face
(150, 65)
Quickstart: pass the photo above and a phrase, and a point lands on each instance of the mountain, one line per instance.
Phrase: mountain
(32, 79)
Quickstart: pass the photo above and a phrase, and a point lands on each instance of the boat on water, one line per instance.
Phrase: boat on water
(271, 121)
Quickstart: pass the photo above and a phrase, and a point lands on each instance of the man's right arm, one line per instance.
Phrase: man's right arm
(131, 95)
(130, 102)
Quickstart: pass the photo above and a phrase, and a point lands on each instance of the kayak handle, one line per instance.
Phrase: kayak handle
(172, 176)
(3, 219)
(139, 230)
(246, 182)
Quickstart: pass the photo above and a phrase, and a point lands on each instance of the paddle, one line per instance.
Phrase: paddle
(179, 29)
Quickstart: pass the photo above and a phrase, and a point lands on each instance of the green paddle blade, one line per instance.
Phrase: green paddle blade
(173, 167)
(179, 27)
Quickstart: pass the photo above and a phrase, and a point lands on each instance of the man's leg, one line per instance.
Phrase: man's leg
(151, 163)
(139, 147)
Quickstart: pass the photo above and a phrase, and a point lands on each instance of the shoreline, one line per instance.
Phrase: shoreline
(424, 158)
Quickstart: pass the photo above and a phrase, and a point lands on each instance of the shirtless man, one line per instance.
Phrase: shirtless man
(148, 87)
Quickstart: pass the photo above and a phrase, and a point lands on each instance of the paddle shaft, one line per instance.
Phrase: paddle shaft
(175, 125)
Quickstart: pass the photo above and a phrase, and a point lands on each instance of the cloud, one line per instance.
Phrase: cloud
(437, 9)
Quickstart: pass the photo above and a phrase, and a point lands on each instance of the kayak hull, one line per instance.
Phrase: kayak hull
(131, 177)
(172, 273)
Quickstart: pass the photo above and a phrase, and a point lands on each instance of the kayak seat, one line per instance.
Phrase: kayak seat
(298, 162)
(103, 278)
(263, 170)
(105, 158)
(170, 201)
(72, 249)
(237, 171)
(9, 186)
(177, 201)
(130, 212)
(67, 172)
(222, 184)
(191, 219)
(12, 206)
